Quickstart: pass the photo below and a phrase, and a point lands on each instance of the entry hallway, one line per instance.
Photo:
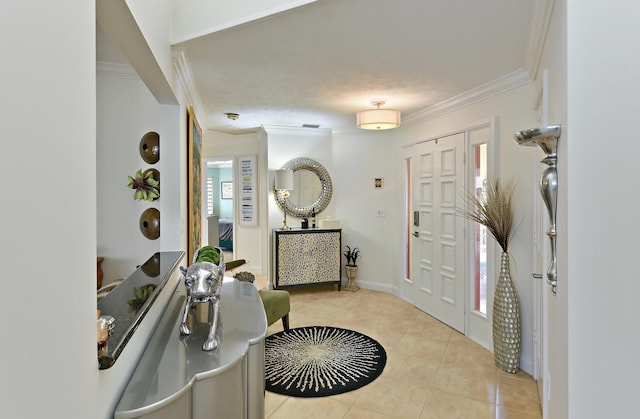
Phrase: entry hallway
(432, 371)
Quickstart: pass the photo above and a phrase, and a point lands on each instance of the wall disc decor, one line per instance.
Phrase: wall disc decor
(152, 266)
(156, 176)
(150, 147)
(150, 223)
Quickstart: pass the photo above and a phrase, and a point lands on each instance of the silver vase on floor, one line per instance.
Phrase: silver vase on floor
(506, 321)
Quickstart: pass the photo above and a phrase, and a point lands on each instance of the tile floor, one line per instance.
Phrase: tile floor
(432, 371)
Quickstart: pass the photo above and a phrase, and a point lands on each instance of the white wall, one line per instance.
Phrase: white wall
(284, 144)
(599, 213)
(514, 112)
(554, 60)
(154, 17)
(126, 110)
(48, 223)
(195, 18)
(251, 242)
(360, 157)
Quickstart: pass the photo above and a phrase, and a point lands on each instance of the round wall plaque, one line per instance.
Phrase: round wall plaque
(150, 147)
(150, 223)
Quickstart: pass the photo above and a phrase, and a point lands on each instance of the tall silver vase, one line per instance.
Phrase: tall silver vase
(506, 321)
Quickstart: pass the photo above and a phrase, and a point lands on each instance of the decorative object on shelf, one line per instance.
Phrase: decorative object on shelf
(145, 185)
(150, 147)
(203, 282)
(494, 209)
(100, 274)
(104, 291)
(156, 176)
(304, 209)
(102, 331)
(378, 119)
(111, 300)
(150, 223)
(245, 276)
(151, 267)
(351, 268)
(194, 183)
(328, 222)
(284, 185)
(547, 138)
(321, 361)
(141, 294)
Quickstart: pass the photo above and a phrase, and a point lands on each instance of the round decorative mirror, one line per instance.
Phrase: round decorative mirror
(312, 188)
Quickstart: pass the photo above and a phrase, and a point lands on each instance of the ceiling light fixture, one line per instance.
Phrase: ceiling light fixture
(378, 119)
(232, 116)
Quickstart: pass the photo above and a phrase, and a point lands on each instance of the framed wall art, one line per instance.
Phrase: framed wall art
(194, 184)
(226, 190)
(247, 176)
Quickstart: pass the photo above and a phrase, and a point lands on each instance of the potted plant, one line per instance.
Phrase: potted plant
(493, 208)
(351, 268)
(146, 186)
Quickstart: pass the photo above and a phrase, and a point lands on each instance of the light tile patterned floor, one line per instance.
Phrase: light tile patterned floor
(432, 371)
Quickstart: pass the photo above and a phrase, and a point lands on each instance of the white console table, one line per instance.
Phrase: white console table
(175, 378)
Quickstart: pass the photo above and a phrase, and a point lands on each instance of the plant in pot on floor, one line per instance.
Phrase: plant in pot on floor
(493, 208)
(351, 268)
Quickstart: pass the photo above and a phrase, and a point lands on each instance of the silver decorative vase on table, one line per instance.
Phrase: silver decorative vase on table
(506, 321)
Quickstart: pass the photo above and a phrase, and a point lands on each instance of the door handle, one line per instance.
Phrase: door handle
(416, 234)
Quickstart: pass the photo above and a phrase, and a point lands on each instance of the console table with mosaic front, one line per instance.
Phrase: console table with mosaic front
(305, 257)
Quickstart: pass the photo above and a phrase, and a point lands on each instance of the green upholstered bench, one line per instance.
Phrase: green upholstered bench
(276, 306)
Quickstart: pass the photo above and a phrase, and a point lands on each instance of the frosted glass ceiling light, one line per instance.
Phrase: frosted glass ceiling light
(378, 119)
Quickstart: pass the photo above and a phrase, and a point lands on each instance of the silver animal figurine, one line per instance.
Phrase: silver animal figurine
(203, 281)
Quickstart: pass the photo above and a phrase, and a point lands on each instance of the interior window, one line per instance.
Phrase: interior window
(480, 242)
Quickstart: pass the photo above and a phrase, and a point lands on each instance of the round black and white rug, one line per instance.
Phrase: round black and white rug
(321, 361)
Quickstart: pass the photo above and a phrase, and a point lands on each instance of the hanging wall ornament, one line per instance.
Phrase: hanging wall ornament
(146, 186)
(150, 147)
(150, 223)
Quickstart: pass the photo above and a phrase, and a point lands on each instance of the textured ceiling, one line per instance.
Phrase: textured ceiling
(320, 63)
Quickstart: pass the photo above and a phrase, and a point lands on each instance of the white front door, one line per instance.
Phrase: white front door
(438, 275)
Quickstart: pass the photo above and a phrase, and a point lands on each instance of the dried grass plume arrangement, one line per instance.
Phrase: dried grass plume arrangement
(493, 209)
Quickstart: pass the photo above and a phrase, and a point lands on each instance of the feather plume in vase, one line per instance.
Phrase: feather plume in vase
(493, 209)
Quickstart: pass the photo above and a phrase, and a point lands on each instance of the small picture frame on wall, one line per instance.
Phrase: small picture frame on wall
(226, 190)
(378, 182)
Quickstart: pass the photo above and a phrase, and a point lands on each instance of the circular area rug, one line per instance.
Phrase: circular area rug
(321, 361)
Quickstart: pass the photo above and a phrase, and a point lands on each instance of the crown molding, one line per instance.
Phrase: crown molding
(115, 70)
(500, 85)
(539, 27)
(184, 78)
